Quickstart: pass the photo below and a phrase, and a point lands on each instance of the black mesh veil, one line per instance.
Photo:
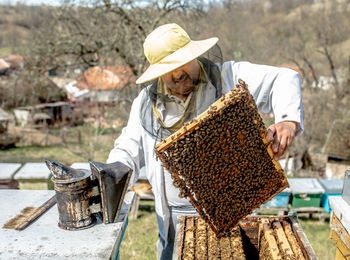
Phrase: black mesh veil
(211, 63)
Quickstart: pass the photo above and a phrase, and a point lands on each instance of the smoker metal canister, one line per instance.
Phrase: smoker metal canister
(73, 199)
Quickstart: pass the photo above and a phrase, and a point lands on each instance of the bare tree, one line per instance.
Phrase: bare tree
(101, 32)
(318, 50)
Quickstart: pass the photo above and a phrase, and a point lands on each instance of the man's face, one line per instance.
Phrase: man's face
(182, 81)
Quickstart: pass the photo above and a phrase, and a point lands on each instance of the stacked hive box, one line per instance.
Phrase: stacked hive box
(281, 200)
(222, 162)
(340, 221)
(7, 173)
(346, 188)
(34, 176)
(254, 238)
(307, 192)
(332, 188)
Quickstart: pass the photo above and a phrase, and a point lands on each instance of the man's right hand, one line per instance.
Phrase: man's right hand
(281, 136)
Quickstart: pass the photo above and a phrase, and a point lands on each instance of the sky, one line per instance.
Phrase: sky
(31, 2)
(45, 2)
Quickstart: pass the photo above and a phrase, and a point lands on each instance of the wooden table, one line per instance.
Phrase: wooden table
(43, 239)
(311, 210)
(282, 211)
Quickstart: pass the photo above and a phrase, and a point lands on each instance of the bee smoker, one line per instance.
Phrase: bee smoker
(82, 194)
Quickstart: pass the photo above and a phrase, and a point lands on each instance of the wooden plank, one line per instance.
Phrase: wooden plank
(216, 106)
(339, 255)
(201, 239)
(225, 246)
(135, 208)
(343, 249)
(307, 249)
(188, 252)
(179, 241)
(342, 210)
(213, 245)
(292, 241)
(269, 248)
(282, 241)
(237, 244)
(261, 227)
(262, 221)
(269, 150)
(338, 228)
(309, 210)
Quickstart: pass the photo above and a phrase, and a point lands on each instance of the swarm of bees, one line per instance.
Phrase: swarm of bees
(221, 161)
(265, 238)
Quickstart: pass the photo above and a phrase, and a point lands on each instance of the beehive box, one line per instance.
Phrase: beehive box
(340, 227)
(332, 188)
(306, 192)
(222, 162)
(341, 237)
(346, 188)
(255, 237)
(7, 173)
(34, 176)
(281, 200)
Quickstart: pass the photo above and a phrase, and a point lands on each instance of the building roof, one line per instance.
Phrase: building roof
(4, 65)
(338, 142)
(105, 78)
(44, 105)
(15, 61)
(61, 82)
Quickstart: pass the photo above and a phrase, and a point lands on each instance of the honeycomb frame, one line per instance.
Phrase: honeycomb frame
(222, 161)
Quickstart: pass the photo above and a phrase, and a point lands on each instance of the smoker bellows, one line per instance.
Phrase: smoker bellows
(82, 194)
(222, 162)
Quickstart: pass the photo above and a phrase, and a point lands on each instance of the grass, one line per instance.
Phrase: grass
(81, 144)
(59, 153)
(318, 235)
(139, 242)
(4, 51)
(38, 154)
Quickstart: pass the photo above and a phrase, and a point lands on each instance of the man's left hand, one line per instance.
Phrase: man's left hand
(281, 136)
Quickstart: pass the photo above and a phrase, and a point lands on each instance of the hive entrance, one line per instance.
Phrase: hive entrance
(220, 160)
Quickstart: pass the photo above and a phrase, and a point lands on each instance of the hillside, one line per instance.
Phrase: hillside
(313, 38)
(258, 20)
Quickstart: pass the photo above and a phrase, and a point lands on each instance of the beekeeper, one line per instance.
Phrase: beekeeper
(185, 77)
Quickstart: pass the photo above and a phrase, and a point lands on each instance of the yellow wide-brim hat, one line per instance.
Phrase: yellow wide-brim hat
(169, 47)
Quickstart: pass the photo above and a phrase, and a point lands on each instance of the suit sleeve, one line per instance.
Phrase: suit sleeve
(274, 89)
(128, 146)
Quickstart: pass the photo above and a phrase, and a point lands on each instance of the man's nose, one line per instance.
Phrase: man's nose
(177, 73)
